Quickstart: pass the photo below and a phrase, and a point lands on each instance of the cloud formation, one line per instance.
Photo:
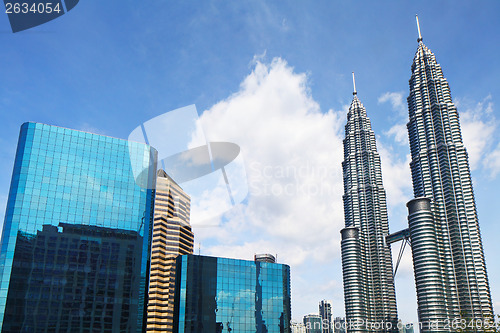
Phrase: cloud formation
(396, 176)
(395, 165)
(397, 101)
(292, 154)
(479, 125)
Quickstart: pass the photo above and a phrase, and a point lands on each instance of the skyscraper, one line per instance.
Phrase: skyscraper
(458, 287)
(223, 295)
(325, 311)
(366, 259)
(172, 236)
(76, 237)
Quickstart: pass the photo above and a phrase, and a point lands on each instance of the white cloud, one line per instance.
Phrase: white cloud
(285, 26)
(293, 154)
(258, 58)
(492, 161)
(396, 176)
(496, 306)
(397, 101)
(398, 131)
(478, 125)
(400, 134)
(294, 174)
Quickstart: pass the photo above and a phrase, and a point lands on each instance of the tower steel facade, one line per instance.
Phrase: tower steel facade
(366, 258)
(440, 171)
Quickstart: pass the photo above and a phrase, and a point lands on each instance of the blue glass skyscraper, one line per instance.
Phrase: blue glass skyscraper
(224, 295)
(76, 238)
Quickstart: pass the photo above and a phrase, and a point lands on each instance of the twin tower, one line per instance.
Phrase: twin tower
(450, 272)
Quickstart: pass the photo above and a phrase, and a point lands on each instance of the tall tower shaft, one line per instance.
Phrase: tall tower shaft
(172, 236)
(366, 259)
(440, 171)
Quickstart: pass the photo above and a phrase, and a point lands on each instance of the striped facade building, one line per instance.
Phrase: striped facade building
(369, 292)
(450, 269)
(172, 236)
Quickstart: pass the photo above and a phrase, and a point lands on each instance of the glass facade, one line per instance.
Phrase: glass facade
(230, 295)
(76, 238)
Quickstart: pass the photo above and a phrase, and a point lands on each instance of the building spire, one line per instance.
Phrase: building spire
(354, 84)
(418, 28)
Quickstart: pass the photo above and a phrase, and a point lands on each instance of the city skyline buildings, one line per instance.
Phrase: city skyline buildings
(358, 35)
(369, 290)
(451, 278)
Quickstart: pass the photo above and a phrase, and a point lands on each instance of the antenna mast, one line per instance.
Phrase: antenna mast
(418, 27)
(354, 84)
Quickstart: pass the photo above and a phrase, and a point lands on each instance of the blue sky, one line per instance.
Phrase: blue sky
(275, 78)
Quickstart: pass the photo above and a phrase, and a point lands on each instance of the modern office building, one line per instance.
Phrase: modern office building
(450, 270)
(76, 238)
(313, 323)
(369, 291)
(325, 312)
(222, 295)
(172, 236)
